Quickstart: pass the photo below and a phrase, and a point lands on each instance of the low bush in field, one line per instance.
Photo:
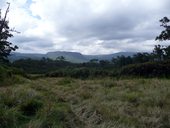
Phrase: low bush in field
(10, 75)
(4, 73)
(18, 106)
(72, 72)
(31, 107)
(82, 73)
(149, 69)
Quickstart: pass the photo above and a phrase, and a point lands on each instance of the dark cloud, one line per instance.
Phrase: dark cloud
(92, 26)
(33, 42)
(129, 23)
(24, 39)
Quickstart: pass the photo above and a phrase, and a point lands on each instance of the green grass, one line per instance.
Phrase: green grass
(10, 76)
(75, 103)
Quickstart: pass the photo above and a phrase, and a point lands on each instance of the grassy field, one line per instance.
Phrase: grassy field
(74, 103)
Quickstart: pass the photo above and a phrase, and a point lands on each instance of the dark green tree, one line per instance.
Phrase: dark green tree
(141, 57)
(158, 52)
(60, 58)
(121, 61)
(104, 63)
(94, 61)
(167, 53)
(165, 34)
(5, 33)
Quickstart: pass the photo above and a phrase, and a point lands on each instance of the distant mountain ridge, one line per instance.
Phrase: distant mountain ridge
(109, 56)
(74, 57)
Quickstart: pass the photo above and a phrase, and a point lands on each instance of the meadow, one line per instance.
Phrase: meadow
(65, 102)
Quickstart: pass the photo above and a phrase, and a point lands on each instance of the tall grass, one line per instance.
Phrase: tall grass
(95, 103)
(10, 76)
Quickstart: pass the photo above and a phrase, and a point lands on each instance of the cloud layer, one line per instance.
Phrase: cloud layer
(86, 26)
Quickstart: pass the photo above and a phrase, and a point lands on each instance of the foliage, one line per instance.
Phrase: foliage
(40, 66)
(158, 52)
(31, 107)
(10, 75)
(149, 69)
(61, 58)
(81, 72)
(165, 34)
(141, 58)
(5, 33)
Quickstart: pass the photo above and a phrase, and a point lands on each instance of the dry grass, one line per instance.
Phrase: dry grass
(71, 103)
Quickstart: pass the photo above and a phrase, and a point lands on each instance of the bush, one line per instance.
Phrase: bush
(8, 118)
(149, 69)
(56, 116)
(9, 75)
(31, 107)
(65, 81)
(81, 72)
(4, 75)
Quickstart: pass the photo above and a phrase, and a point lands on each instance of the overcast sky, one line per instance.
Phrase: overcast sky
(86, 26)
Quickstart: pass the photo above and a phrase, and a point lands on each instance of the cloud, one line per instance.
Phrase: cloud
(87, 26)
(2, 3)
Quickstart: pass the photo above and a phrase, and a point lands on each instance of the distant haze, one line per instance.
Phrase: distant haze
(74, 57)
(86, 26)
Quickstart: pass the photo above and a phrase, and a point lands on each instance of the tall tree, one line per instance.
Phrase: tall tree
(141, 57)
(167, 52)
(165, 34)
(158, 52)
(60, 58)
(5, 33)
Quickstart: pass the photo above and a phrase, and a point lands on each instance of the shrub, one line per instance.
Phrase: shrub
(10, 75)
(5, 74)
(80, 73)
(8, 118)
(149, 69)
(65, 81)
(31, 107)
(56, 116)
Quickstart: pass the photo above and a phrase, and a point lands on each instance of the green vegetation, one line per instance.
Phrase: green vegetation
(5, 33)
(165, 34)
(149, 69)
(67, 102)
(57, 68)
(10, 75)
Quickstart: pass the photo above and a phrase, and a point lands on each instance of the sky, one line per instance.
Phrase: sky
(86, 26)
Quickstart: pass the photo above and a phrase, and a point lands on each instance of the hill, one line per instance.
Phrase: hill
(17, 56)
(109, 56)
(74, 57)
